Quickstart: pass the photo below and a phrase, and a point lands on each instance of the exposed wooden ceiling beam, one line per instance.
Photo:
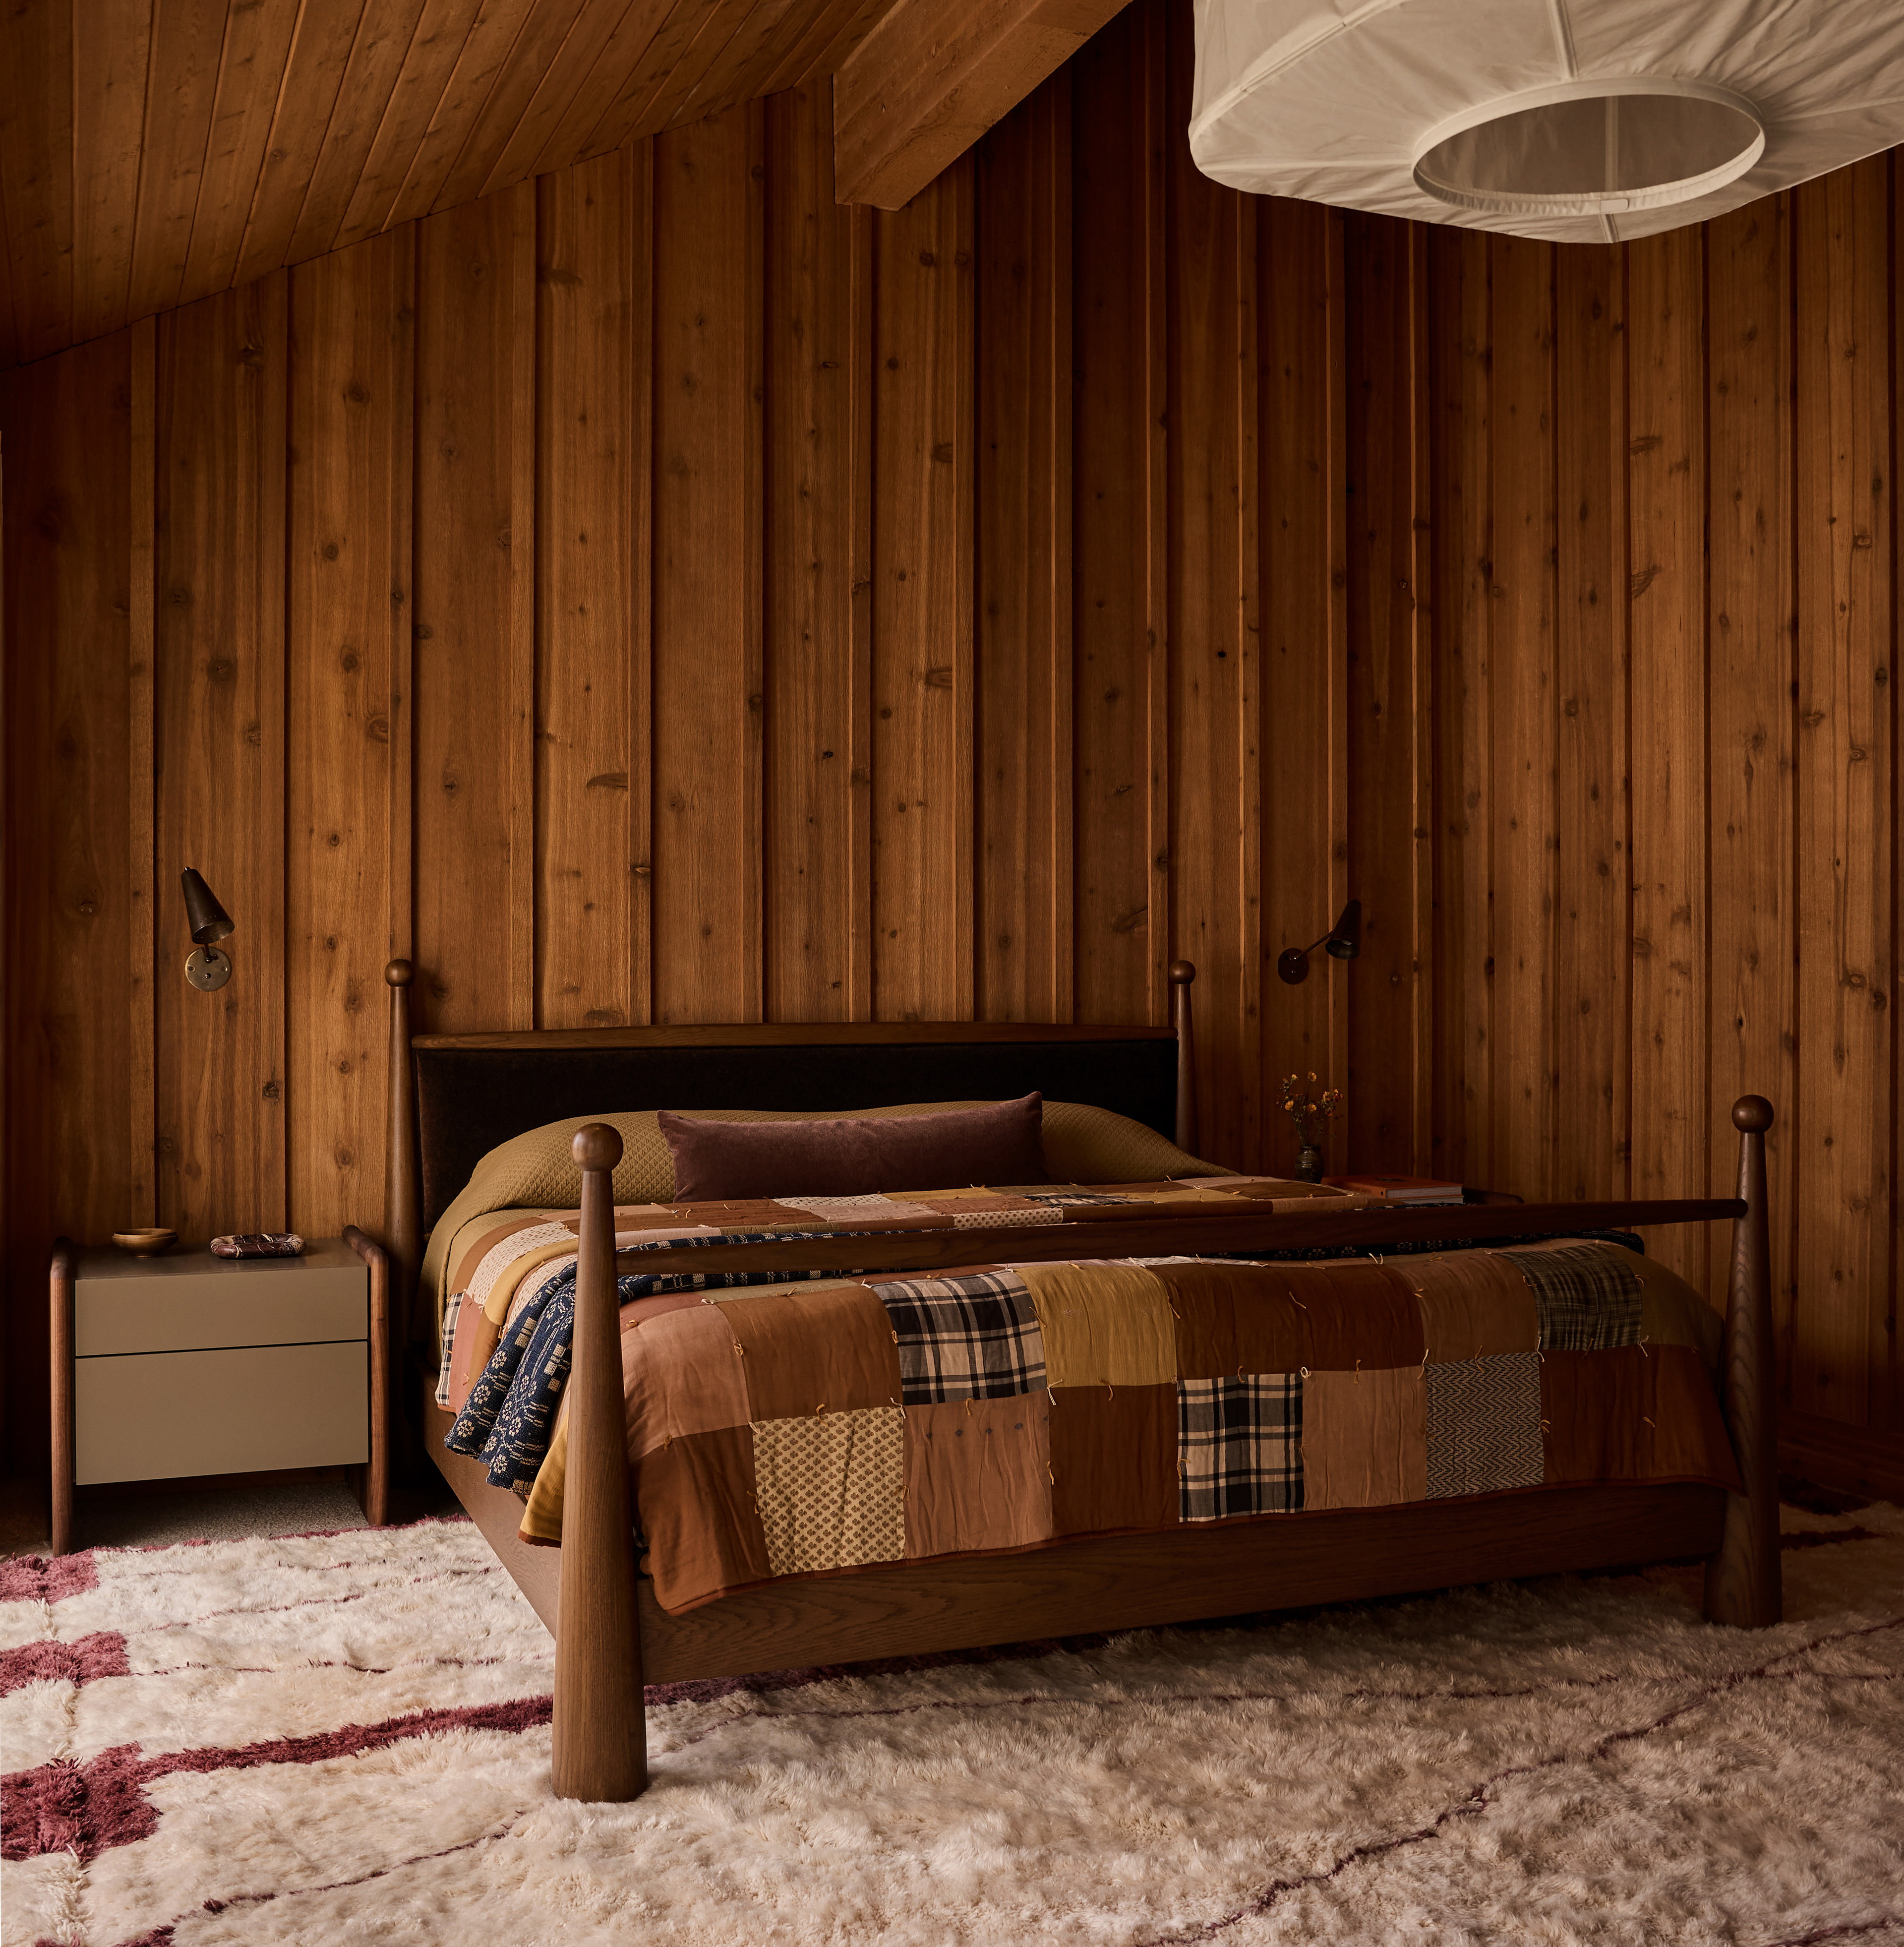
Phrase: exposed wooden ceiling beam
(934, 75)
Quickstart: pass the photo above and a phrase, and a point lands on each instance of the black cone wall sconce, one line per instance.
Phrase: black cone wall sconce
(1343, 941)
(208, 968)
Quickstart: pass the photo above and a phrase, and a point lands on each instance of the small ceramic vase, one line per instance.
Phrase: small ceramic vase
(1309, 1164)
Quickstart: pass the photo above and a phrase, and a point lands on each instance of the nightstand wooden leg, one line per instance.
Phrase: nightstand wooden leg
(375, 1484)
(60, 1337)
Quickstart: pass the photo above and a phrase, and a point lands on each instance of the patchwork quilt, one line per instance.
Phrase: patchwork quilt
(777, 1428)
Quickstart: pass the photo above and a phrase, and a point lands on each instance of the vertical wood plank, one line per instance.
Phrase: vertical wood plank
(1591, 957)
(1120, 534)
(922, 605)
(1522, 658)
(592, 503)
(218, 752)
(1842, 261)
(143, 892)
(1305, 839)
(1461, 323)
(472, 677)
(1387, 698)
(817, 872)
(1666, 326)
(1752, 801)
(708, 699)
(65, 426)
(348, 621)
(1215, 729)
(1022, 543)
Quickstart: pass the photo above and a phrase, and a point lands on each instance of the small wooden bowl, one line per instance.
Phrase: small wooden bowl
(145, 1244)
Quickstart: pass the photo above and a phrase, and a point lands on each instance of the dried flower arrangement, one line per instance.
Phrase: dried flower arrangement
(1311, 1113)
(1308, 1110)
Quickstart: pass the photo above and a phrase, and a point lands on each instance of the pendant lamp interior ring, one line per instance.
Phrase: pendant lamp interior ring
(1591, 147)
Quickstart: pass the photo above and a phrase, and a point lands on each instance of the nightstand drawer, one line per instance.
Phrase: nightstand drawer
(153, 1417)
(198, 1302)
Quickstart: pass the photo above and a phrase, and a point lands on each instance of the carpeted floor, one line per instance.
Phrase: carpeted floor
(344, 1738)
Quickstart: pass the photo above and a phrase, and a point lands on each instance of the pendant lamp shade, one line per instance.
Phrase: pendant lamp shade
(1578, 121)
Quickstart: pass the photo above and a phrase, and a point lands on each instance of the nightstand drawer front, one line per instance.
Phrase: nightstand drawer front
(231, 1412)
(178, 1315)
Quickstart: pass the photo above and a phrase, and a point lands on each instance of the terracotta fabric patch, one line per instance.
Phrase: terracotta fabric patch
(1473, 1305)
(1113, 1458)
(1484, 1425)
(1633, 1413)
(831, 1489)
(1105, 1324)
(978, 1475)
(1235, 1319)
(474, 1346)
(1358, 1311)
(694, 1501)
(681, 1374)
(831, 1351)
(1364, 1438)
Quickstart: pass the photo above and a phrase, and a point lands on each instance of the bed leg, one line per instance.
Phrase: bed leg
(1743, 1583)
(600, 1734)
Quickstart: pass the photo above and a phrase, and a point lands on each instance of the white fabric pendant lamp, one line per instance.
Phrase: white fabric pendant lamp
(1579, 120)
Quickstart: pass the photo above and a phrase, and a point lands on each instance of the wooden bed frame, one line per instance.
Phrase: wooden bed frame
(612, 1636)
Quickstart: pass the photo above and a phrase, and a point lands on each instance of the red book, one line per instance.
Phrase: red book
(1400, 1189)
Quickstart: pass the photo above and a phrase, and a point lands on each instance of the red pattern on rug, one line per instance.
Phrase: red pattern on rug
(84, 1808)
(40, 1578)
(82, 1660)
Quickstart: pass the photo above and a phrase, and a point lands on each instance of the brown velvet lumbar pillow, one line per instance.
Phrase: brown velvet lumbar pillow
(854, 1155)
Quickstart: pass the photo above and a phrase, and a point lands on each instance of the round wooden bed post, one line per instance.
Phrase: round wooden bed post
(601, 1736)
(1182, 974)
(403, 1188)
(1744, 1584)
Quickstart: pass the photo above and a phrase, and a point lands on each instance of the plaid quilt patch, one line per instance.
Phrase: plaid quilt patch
(965, 1337)
(1240, 1445)
(1587, 1296)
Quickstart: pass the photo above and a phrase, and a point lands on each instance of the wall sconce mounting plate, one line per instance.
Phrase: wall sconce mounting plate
(208, 969)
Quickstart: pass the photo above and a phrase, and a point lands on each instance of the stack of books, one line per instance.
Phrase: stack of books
(1413, 1191)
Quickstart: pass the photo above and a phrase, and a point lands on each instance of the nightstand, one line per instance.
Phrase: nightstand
(187, 1366)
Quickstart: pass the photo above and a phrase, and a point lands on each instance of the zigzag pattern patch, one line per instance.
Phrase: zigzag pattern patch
(1484, 1425)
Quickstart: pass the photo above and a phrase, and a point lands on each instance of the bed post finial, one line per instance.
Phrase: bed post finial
(600, 1735)
(1182, 974)
(403, 1185)
(1743, 1583)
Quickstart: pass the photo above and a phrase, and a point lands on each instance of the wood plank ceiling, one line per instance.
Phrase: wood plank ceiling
(152, 152)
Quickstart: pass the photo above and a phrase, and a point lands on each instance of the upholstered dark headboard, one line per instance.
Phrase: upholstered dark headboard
(453, 1098)
(473, 1093)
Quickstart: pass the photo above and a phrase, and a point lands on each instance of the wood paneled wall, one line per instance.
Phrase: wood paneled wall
(655, 592)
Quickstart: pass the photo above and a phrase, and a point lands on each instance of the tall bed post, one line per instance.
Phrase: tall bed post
(403, 1184)
(1743, 1584)
(600, 1735)
(1182, 974)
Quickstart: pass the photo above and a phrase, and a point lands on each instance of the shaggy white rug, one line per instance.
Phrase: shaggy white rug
(344, 1737)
